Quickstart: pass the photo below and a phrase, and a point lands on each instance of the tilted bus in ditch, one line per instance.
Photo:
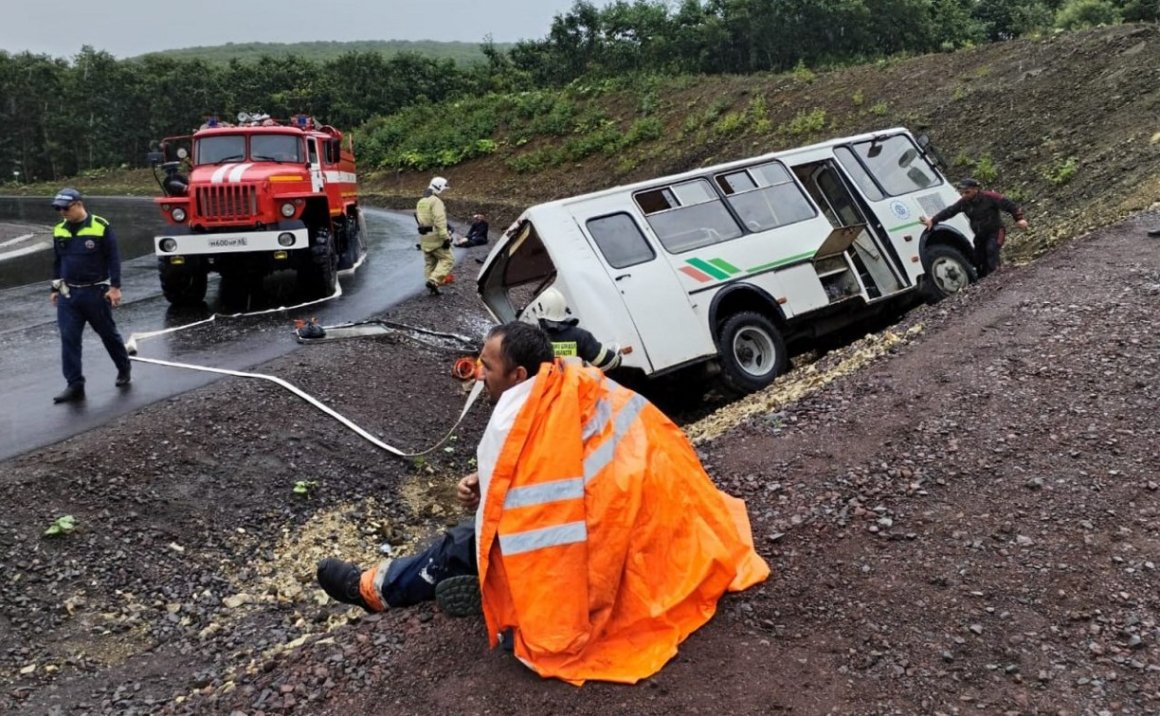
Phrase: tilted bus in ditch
(725, 267)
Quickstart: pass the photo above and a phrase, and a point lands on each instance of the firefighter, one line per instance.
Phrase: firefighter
(982, 210)
(434, 237)
(568, 339)
(599, 543)
(86, 286)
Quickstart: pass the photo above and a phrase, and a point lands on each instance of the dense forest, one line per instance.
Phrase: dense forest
(68, 117)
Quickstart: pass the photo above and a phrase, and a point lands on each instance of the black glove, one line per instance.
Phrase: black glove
(447, 243)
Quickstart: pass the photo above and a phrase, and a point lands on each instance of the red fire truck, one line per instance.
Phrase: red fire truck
(258, 196)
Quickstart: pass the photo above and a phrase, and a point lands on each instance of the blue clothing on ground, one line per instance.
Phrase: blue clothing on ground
(411, 580)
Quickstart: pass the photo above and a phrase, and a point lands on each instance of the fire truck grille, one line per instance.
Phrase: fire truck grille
(227, 202)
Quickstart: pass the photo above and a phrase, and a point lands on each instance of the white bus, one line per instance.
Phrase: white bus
(726, 267)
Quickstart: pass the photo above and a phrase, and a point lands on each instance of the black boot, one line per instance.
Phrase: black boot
(123, 377)
(340, 580)
(71, 394)
(1154, 233)
(433, 288)
(459, 596)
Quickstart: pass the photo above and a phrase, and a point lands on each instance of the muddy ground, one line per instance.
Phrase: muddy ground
(960, 512)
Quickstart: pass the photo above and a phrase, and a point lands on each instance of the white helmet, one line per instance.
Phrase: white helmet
(550, 305)
(438, 184)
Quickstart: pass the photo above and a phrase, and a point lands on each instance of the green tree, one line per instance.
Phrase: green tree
(1075, 14)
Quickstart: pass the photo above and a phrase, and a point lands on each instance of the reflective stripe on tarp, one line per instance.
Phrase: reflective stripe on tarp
(599, 458)
(531, 540)
(569, 489)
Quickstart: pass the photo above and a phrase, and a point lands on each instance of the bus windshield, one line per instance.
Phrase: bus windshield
(897, 164)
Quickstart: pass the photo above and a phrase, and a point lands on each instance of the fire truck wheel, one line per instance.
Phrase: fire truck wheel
(182, 285)
(752, 352)
(319, 274)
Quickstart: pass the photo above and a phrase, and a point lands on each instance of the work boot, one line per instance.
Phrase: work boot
(1154, 233)
(71, 394)
(432, 288)
(459, 596)
(123, 377)
(346, 583)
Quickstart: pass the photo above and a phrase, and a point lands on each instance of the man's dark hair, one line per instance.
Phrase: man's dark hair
(523, 344)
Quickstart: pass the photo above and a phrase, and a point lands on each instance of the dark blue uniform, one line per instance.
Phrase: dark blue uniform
(86, 259)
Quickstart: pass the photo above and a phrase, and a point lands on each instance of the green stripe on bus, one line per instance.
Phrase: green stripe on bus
(725, 266)
(900, 227)
(708, 268)
(780, 262)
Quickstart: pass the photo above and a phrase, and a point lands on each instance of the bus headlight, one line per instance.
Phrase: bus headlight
(168, 245)
(178, 214)
(286, 239)
(287, 210)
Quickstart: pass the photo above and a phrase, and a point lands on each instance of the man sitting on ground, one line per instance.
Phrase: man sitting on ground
(599, 542)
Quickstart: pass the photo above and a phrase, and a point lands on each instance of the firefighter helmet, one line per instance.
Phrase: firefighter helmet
(550, 305)
(438, 184)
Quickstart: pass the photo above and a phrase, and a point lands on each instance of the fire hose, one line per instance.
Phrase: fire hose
(477, 388)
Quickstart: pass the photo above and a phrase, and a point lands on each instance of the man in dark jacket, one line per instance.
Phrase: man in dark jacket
(982, 209)
(477, 234)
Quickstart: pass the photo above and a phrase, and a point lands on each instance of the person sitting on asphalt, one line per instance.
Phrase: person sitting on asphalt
(550, 311)
(476, 233)
(599, 542)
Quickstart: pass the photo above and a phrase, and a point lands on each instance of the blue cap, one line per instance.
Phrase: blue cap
(64, 197)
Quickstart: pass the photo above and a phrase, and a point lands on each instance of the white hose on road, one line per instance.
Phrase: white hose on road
(131, 346)
(475, 391)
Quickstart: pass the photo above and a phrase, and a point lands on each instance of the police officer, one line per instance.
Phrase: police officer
(86, 286)
(434, 238)
(568, 339)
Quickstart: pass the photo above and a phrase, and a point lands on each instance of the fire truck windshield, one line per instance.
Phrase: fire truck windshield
(275, 148)
(263, 148)
(212, 150)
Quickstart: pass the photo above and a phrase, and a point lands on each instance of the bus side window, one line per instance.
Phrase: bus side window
(620, 241)
(687, 216)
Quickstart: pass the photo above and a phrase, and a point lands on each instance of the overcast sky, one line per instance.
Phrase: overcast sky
(131, 27)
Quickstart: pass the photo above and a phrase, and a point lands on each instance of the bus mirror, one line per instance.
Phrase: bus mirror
(182, 152)
(923, 140)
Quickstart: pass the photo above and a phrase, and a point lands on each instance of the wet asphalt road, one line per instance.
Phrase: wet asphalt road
(30, 344)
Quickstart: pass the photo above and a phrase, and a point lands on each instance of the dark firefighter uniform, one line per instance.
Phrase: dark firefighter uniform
(569, 339)
(87, 262)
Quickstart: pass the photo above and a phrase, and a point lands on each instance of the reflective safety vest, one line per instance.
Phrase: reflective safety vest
(95, 227)
(602, 542)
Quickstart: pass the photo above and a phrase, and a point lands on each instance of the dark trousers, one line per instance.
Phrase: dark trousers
(987, 252)
(87, 305)
(411, 580)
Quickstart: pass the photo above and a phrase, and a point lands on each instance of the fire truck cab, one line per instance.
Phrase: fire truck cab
(259, 196)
